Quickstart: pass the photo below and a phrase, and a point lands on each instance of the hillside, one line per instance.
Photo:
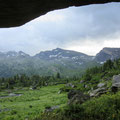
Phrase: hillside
(92, 97)
(68, 63)
(101, 98)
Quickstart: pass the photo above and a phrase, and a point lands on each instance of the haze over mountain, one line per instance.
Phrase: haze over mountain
(66, 62)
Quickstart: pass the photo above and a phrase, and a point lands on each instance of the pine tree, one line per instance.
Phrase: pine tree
(58, 75)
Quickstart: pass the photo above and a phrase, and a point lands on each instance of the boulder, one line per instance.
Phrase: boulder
(33, 88)
(85, 86)
(60, 91)
(70, 85)
(50, 109)
(12, 94)
(77, 97)
(97, 92)
(101, 85)
(116, 83)
(82, 81)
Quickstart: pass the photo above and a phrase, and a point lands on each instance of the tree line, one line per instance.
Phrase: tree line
(32, 81)
(109, 67)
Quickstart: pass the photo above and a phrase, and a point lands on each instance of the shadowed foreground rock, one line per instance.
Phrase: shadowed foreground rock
(18, 12)
(77, 97)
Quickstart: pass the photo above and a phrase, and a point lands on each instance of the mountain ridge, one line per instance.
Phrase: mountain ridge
(108, 53)
(59, 53)
(104, 49)
(66, 62)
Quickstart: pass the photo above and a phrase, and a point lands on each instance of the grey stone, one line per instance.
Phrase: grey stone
(50, 109)
(97, 92)
(70, 85)
(33, 88)
(101, 85)
(82, 81)
(86, 86)
(12, 94)
(115, 83)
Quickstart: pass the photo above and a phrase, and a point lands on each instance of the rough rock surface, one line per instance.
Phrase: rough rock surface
(33, 88)
(18, 12)
(98, 92)
(70, 85)
(50, 109)
(115, 83)
(101, 85)
(107, 54)
(77, 97)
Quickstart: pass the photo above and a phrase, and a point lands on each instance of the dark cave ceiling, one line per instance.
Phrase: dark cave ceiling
(15, 13)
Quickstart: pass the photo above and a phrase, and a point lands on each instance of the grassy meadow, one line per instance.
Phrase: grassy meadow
(31, 103)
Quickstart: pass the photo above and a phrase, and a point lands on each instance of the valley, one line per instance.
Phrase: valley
(93, 96)
(31, 103)
(63, 65)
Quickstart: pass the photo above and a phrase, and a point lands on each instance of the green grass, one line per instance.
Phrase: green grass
(31, 103)
(106, 107)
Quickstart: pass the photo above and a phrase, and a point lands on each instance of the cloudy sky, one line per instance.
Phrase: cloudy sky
(86, 29)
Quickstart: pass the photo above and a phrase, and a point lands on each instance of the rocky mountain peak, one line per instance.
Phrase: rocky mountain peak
(59, 53)
(108, 53)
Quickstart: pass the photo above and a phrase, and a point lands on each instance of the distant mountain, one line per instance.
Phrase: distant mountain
(108, 53)
(13, 54)
(66, 62)
(12, 63)
(60, 54)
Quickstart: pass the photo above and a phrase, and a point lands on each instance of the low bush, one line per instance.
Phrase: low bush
(106, 107)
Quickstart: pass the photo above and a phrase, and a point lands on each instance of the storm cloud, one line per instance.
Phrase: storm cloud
(86, 29)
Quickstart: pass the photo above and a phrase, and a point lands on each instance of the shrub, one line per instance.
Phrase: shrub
(106, 107)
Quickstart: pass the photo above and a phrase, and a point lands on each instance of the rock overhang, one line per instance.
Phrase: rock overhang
(15, 13)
